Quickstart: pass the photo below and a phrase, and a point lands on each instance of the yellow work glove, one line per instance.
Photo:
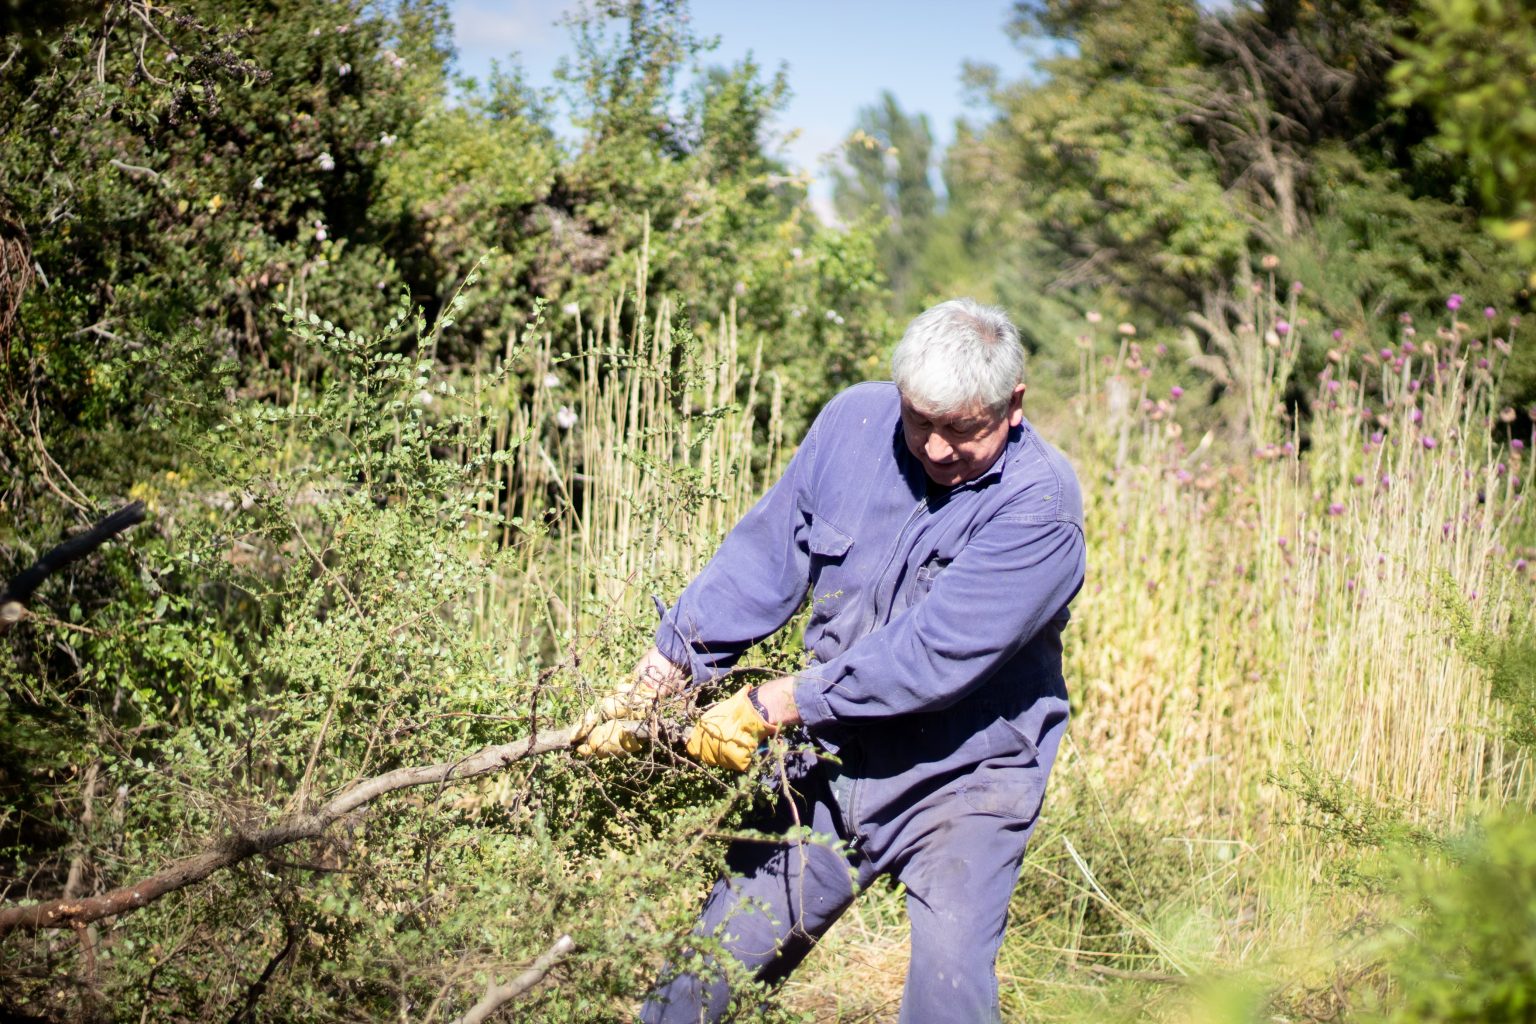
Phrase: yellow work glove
(728, 734)
(608, 727)
(611, 738)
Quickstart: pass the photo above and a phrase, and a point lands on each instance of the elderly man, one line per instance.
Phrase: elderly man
(940, 540)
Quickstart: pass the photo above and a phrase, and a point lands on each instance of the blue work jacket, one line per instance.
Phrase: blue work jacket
(936, 618)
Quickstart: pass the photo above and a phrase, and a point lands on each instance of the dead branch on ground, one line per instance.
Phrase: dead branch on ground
(288, 829)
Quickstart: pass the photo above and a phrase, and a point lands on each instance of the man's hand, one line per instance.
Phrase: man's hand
(728, 734)
(608, 727)
(778, 699)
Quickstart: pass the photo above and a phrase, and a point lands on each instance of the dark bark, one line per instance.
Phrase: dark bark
(21, 587)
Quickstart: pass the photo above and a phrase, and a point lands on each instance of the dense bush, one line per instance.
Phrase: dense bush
(388, 534)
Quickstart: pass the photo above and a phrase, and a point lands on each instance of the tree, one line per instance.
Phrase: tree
(887, 175)
(1169, 149)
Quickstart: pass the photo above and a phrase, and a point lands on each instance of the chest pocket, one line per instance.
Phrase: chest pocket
(829, 548)
(928, 572)
(827, 543)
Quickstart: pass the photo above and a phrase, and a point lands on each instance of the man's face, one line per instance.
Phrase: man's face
(959, 446)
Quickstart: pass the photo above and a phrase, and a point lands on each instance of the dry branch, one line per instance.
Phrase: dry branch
(290, 828)
(497, 996)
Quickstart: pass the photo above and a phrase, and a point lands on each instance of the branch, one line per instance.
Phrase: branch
(290, 828)
(134, 170)
(14, 597)
(497, 995)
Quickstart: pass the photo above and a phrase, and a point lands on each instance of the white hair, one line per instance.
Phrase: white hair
(959, 355)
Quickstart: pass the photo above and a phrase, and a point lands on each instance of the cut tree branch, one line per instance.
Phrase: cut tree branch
(497, 996)
(19, 590)
(290, 828)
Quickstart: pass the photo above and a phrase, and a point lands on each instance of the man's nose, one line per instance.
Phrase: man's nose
(937, 449)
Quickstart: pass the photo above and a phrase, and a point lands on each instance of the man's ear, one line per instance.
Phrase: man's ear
(1016, 405)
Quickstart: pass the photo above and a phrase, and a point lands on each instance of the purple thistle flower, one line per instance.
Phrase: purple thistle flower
(1359, 479)
(1489, 312)
(1482, 364)
(1413, 385)
(1282, 328)
(1516, 444)
(1386, 481)
(1336, 509)
(1338, 334)
(1453, 303)
(1386, 353)
(1282, 542)
(1295, 287)
(1418, 417)
(1427, 442)
(1176, 392)
(1520, 565)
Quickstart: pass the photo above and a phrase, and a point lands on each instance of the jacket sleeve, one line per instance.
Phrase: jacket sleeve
(753, 584)
(1014, 577)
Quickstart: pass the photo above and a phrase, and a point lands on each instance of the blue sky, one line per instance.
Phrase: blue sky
(839, 54)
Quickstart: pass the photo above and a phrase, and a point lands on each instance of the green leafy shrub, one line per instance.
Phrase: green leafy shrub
(1467, 952)
(323, 561)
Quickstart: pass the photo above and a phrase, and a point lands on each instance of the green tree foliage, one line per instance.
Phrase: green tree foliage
(1469, 953)
(1469, 62)
(175, 170)
(887, 173)
(1167, 148)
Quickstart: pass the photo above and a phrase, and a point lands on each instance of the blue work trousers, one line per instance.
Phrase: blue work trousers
(957, 851)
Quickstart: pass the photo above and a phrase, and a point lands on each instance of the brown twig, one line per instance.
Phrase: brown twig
(290, 828)
(253, 994)
(497, 996)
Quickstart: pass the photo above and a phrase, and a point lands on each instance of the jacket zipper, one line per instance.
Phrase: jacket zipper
(895, 550)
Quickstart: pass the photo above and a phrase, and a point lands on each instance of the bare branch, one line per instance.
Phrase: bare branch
(289, 828)
(135, 170)
(19, 590)
(497, 996)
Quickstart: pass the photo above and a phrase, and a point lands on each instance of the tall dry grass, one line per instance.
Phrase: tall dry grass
(1254, 603)
(637, 440)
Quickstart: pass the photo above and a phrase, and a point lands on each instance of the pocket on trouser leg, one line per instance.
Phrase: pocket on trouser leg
(1016, 798)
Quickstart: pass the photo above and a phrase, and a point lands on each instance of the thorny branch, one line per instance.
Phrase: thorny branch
(288, 829)
(497, 996)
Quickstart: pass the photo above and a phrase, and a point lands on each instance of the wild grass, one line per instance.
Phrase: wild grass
(1254, 604)
(1279, 568)
(643, 439)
